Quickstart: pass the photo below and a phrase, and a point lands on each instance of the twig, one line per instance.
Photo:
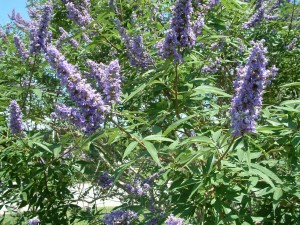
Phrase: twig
(225, 153)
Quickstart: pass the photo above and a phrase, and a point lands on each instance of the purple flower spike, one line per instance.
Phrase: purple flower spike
(249, 85)
(182, 33)
(108, 79)
(181, 23)
(15, 120)
(135, 49)
(98, 71)
(255, 19)
(119, 217)
(112, 88)
(39, 32)
(171, 220)
(71, 114)
(79, 13)
(23, 52)
(65, 35)
(88, 101)
(34, 221)
(105, 180)
(2, 34)
(168, 48)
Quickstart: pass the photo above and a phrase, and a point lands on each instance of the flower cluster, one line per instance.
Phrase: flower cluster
(71, 114)
(198, 24)
(2, 34)
(205, 7)
(19, 21)
(241, 47)
(15, 119)
(213, 67)
(23, 52)
(291, 46)
(138, 188)
(98, 72)
(105, 180)
(135, 49)
(275, 5)
(39, 31)
(112, 4)
(86, 38)
(256, 18)
(8, 28)
(142, 188)
(34, 221)
(119, 217)
(79, 13)
(112, 87)
(273, 73)
(213, 3)
(168, 47)
(171, 220)
(88, 101)
(181, 23)
(67, 154)
(182, 33)
(64, 35)
(249, 85)
(108, 79)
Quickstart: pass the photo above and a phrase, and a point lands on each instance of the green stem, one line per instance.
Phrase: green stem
(226, 152)
(176, 91)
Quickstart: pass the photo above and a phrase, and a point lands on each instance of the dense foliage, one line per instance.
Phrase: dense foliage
(187, 111)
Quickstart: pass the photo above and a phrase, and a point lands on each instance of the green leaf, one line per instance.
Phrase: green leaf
(276, 197)
(277, 193)
(86, 143)
(291, 102)
(132, 94)
(176, 124)
(57, 151)
(209, 165)
(142, 87)
(196, 139)
(203, 89)
(43, 146)
(129, 148)
(292, 84)
(152, 151)
(296, 141)
(263, 176)
(267, 172)
(157, 138)
(289, 109)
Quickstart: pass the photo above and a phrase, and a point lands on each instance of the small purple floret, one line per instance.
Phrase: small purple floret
(15, 119)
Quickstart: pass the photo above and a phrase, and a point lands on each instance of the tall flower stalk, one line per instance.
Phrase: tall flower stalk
(23, 52)
(86, 98)
(182, 32)
(79, 13)
(39, 31)
(15, 119)
(249, 85)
